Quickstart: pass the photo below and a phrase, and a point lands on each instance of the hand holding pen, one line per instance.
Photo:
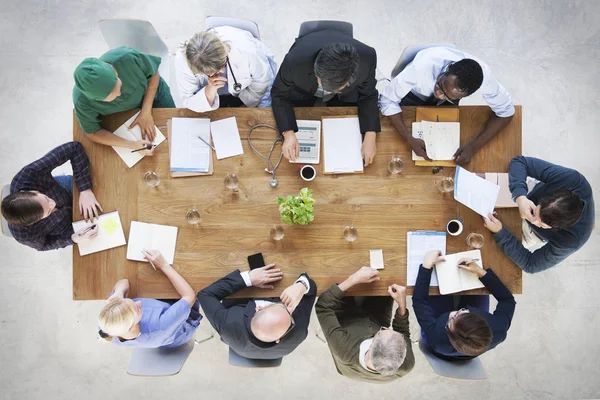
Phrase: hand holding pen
(145, 146)
(471, 266)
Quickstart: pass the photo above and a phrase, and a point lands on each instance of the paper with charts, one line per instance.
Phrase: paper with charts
(133, 134)
(478, 194)
(143, 236)
(418, 243)
(342, 142)
(453, 279)
(442, 139)
(110, 234)
(226, 138)
(188, 153)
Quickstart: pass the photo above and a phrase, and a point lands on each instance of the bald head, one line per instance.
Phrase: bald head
(270, 323)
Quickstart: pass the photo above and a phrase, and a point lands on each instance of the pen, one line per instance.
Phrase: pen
(87, 230)
(148, 147)
(206, 143)
(469, 262)
(144, 252)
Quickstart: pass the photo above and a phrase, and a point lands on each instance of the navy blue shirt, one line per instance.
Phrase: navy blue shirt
(561, 242)
(433, 325)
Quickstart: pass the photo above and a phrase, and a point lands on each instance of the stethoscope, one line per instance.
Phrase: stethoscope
(237, 87)
(270, 167)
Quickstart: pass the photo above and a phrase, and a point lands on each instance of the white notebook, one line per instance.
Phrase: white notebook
(442, 139)
(110, 234)
(417, 245)
(475, 192)
(143, 236)
(133, 135)
(226, 138)
(188, 153)
(453, 279)
(341, 145)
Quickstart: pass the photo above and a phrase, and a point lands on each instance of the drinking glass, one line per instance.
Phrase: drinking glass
(277, 232)
(395, 166)
(192, 216)
(231, 181)
(475, 240)
(446, 184)
(350, 233)
(151, 179)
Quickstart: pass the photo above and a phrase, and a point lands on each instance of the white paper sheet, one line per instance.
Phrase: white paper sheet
(475, 192)
(442, 139)
(143, 236)
(376, 258)
(226, 138)
(417, 244)
(188, 153)
(133, 135)
(453, 279)
(110, 234)
(341, 145)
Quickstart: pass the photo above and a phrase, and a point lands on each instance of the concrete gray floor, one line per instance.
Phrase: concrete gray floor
(546, 54)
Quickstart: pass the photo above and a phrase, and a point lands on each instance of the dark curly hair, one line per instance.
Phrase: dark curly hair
(468, 73)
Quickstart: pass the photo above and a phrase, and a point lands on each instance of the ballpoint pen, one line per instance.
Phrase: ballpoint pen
(144, 252)
(87, 230)
(147, 147)
(206, 143)
(469, 262)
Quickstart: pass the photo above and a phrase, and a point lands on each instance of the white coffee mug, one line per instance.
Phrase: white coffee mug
(307, 169)
(456, 231)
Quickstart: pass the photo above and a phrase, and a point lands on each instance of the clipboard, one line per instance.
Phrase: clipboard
(323, 145)
(436, 114)
(175, 174)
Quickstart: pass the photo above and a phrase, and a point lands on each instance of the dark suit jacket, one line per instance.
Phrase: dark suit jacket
(296, 80)
(233, 323)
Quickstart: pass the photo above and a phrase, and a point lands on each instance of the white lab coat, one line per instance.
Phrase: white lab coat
(253, 65)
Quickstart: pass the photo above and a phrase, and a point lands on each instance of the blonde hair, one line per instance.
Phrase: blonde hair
(206, 53)
(117, 317)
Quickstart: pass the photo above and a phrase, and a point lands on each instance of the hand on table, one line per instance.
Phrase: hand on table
(369, 148)
(80, 236)
(262, 277)
(419, 147)
(464, 154)
(290, 147)
(88, 205)
(146, 123)
(155, 258)
(431, 258)
(365, 275)
(143, 143)
(292, 295)
(492, 223)
(471, 266)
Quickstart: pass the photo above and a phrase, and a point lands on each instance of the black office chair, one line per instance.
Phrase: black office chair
(315, 26)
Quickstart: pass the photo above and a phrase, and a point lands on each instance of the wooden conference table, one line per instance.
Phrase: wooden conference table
(383, 207)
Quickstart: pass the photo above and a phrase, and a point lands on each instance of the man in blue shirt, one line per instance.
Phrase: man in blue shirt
(558, 213)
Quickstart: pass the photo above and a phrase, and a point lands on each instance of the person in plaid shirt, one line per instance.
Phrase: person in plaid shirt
(39, 208)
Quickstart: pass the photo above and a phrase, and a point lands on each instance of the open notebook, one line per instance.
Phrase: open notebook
(453, 279)
(110, 234)
(143, 236)
(133, 135)
(442, 139)
(342, 142)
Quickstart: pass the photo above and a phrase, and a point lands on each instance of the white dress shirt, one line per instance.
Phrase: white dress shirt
(420, 75)
(301, 278)
(253, 65)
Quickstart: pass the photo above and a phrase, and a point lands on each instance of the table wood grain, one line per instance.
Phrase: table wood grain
(383, 207)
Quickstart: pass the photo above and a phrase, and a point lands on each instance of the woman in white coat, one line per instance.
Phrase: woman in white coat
(223, 62)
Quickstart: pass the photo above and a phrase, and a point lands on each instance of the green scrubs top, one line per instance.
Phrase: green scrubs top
(134, 70)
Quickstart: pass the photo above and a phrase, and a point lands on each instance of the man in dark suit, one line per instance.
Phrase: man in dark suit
(260, 329)
(331, 66)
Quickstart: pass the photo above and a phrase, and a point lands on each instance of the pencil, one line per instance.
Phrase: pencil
(206, 143)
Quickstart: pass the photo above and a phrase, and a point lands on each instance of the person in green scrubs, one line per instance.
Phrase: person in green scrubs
(122, 79)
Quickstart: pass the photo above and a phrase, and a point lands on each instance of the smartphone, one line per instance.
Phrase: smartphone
(256, 261)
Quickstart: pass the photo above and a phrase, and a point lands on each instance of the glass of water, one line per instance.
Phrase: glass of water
(277, 232)
(475, 240)
(350, 233)
(395, 166)
(151, 179)
(445, 185)
(193, 217)
(231, 182)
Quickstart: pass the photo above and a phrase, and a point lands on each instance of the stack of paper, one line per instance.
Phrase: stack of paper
(417, 245)
(133, 134)
(188, 152)
(475, 192)
(442, 139)
(110, 234)
(143, 236)
(453, 279)
(504, 195)
(342, 142)
(226, 137)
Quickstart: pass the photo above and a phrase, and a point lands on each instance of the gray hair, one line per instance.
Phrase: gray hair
(337, 65)
(388, 353)
(206, 53)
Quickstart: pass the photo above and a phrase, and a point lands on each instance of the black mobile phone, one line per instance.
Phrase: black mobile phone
(256, 261)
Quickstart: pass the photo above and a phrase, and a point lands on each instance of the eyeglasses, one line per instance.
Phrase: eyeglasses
(438, 88)
(459, 312)
(292, 321)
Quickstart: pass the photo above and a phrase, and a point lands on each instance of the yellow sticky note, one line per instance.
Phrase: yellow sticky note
(110, 226)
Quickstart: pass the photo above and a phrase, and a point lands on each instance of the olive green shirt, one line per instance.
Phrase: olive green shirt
(134, 69)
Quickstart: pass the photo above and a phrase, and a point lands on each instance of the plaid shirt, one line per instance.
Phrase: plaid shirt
(54, 231)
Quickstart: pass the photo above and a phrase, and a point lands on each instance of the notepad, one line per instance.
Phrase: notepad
(478, 194)
(417, 245)
(453, 279)
(188, 153)
(133, 134)
(143, 236)
(376, 258)
(226, 137)
(110, 234)
(342, 142)
(442, 139)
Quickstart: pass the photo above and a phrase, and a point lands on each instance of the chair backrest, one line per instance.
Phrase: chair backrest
(409, 53)
(315, 26)
(5, 230)
(240, 361)
(214, 22)
(461, 369)
(159, 362)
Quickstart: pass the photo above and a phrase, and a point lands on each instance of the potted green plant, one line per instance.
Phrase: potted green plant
(297, 209)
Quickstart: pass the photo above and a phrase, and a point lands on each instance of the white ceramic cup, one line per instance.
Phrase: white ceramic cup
(308, 167)
(458, 231)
